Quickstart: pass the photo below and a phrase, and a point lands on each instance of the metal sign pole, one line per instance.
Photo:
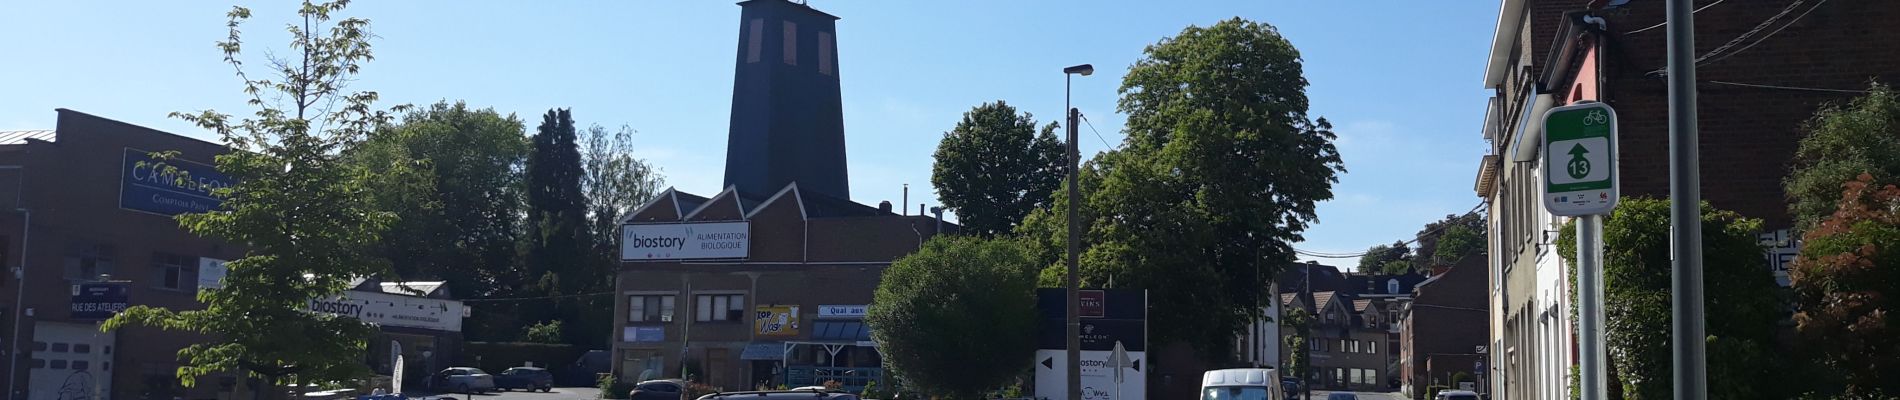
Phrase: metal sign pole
(1590, 310)
(1685, 214)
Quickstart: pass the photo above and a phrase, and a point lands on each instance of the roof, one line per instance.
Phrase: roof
(20, 137)
(1287, 298)
(688, 202)
(424, 289)
(1360, 305)
(1503, 36)
(1321, 298)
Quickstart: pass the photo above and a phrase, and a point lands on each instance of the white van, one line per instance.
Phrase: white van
(1242, 384)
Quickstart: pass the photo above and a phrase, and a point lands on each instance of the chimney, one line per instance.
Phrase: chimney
(787, 113)
(884, 206)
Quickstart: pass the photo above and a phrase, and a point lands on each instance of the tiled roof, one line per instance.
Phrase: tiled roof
(1321, 298)
(1360, 305)
(20, 137)
(1287, 298)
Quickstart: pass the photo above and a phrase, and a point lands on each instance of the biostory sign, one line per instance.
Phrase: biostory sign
(685, 241)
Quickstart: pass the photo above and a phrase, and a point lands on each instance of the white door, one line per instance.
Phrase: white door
(70, 362)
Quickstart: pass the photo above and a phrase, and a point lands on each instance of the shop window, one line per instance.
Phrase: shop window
(650, 308)
(720, 307)
(86, 261)
(175, 272)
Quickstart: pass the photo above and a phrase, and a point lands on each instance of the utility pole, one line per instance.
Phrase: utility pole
(1685, 210)
(1075, 236)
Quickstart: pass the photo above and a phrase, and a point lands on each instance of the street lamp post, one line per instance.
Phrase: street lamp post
(1075, 235)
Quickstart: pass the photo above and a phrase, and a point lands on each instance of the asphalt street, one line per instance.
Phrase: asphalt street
(573, 393)
(1321, 395)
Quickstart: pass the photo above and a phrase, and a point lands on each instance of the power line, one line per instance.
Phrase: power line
(1665, 23)
(1762, 86)
(1723, 51)
(1421, 235)
(1098, 134)
(1791, 22)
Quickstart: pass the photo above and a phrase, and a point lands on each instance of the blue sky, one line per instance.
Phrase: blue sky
(1399, 79)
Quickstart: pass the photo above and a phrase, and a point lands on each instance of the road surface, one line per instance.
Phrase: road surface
(1321, 395)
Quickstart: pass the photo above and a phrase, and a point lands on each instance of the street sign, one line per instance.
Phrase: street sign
(97, 301)
(1118, 359)
(1579, 156)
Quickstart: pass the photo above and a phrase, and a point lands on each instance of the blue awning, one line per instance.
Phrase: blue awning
(773, 351)
(852, 331)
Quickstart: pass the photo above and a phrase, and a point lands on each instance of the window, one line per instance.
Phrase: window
(1343, 346)
(56, 364)
(791, 43)
(59, 347)
(175, 272)
(81, 365)
(86, 261)
(39, 363)
(824, 52)
(754, 39)
(1372, 347)
(82, 348)
(720, 307)
(1354, 345)
(650, 308)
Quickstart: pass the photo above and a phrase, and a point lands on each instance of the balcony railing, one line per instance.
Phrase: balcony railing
(852, 379)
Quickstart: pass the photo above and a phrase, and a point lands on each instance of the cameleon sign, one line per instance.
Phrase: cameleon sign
(1580, 159)
(687, 241)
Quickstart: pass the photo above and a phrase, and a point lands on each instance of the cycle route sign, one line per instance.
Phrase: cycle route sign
(1580, 159)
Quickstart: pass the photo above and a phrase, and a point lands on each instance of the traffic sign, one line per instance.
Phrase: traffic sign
(1579, 159)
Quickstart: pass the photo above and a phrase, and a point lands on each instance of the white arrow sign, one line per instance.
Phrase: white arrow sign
(1118, 359)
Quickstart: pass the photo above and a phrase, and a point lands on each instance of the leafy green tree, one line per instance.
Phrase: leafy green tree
(1458, 243)
(1301, 361)
(543, 332)
(1845, 281)
(297, 206)
(613, 182)
(558, 242)
(1394, 259)
(1428, 237)
(462, 201)
(930, 304)
(992, 169)
(1741, 316)
(1844, 141)
(1220, 172)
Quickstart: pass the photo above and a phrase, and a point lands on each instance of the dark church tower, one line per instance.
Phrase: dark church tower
(787, 115)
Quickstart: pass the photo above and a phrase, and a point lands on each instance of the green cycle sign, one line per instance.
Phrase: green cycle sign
(1579, 156)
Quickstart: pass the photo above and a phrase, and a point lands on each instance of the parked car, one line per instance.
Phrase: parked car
(1242, 384)
(1457, 395)
(525, 378)
(805, 394)
(1292, 387)
(462, 380)
(664, 389)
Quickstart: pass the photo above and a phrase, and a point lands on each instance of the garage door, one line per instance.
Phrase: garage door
(66, 360)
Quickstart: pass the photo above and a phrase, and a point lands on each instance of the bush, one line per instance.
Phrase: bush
(1741, 310)
(1844, 280)
(611, 388)
(930, 304)
(545, 332)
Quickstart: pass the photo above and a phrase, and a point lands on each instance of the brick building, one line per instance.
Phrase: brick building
(80, 207)
(1442, 331)
(1753, 95)
(1355, 324)
(767, 282)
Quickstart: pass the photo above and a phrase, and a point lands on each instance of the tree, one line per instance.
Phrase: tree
(544, 332)
(1220, 172)
(1458, 243)
(557, 234)
(1428, 237)
(1391, 259)
(298, 208)
(1302, 358)
(613, 183)
(992, 169)
(930, 304)
(1844, 282)
(1741, 316)
(1844, 141)
(462, 199)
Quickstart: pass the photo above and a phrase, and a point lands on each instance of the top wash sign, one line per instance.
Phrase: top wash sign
(686, 241)
(146, 185)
